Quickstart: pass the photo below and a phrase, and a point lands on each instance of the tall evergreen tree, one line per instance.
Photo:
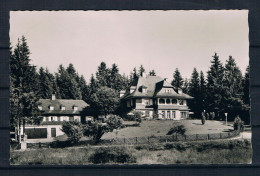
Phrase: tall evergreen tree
(68, 86)
(177, 81)
(46, 83)
(141, 70)
(102, 74)
(195, 92)
(233, 88)
(24, 85)
(246, 85)
(215, 87)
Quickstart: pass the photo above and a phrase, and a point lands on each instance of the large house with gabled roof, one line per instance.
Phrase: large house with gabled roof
(53, 113)
(156, 98)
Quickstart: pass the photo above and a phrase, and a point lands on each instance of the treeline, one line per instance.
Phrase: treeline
(223, 89)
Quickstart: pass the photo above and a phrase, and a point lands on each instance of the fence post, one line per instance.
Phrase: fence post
(40, 145)
(208, 137)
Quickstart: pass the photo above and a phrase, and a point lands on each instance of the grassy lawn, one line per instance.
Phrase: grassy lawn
(161, 127)
(200, 152)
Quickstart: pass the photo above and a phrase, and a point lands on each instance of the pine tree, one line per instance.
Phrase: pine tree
(152, 73)
(102, 74)
(232, 88)
(68, 86)
(46, 83)
(177, 81)
(24, 85)
(215, 86)
(141, 71)
(194, 91)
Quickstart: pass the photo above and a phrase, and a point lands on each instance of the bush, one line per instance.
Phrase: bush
(238, 124)
(180, 129)
(112, 155)
(73, 130)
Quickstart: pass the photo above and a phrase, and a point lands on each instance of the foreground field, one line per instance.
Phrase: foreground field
(161, 127)
(207, 152)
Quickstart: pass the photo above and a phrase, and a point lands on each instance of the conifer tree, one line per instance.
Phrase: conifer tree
(232, 88)
(194, 91)
(152, 73)
(141, 70)
(215, 89)
(24, 85)
(177, 81)
(102, 74)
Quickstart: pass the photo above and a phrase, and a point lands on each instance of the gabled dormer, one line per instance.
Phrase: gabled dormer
(62, 107)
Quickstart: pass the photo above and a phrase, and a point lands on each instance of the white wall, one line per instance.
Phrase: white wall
(49, 127)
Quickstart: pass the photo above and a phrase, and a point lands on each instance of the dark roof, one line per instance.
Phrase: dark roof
(154, 86)
(68, 104)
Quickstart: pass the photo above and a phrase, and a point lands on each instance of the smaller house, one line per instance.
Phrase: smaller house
(53, 113)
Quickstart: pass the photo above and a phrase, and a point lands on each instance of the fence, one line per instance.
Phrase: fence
(170, 138)
(149, 139)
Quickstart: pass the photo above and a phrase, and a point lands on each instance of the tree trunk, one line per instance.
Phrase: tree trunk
(19, 131)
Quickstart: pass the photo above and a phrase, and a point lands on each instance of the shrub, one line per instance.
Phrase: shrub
(179, 129)
(212, 115)
(73, 130)
(96, 130)
(112, 155)
(238, 124)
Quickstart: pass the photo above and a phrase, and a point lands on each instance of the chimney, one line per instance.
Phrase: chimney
(122, 92)
(53, 97)
(179, 91)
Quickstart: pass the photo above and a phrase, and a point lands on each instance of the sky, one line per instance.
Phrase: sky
(159, 40)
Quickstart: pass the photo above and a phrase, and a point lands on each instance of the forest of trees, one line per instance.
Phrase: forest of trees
(222, 89)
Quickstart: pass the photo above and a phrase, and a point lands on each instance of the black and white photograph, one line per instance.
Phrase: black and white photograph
(129, 87)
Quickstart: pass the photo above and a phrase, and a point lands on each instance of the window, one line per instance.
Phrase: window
(173, 114)
(161, 101)
(174, 101)
(183, 114)
(168, 114)
(75, 108)
(40, 108)
(47, 119)
(52, 118)
(147, 113)
(58, 118)
(181, 102)
(51, 108)
(62, 108)
(163, 114)
(168, 101)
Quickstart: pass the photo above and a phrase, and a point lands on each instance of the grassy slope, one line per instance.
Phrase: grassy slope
(161, 127)
(207, 152)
